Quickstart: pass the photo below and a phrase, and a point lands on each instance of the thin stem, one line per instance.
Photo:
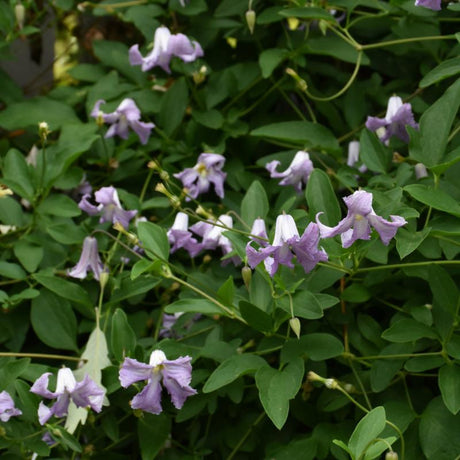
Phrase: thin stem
(146, 184)
(360, 383)
(406, 40)
(5, 354)
(400, 356)
(410, 264)
(246, 435)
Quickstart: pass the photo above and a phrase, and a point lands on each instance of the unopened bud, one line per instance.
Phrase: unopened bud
(332, 384)
(160, 188)
(164, 175)
(232, 42)
(103, 278)
(200, 76)
(295, 326)
(246, 274)
(200, 211)
(314, 377)
(166, 271)
(5, 191)
(293, 23)
(82, 6)
(300, 82)
(392, 455)
(175, 201)
(100, 119)
(251, 20)
(153, 165)
(420, 171)
(322, 24)
(43, 130)
(349, 388)
(206, 259)
(398, 158)
(20, 13)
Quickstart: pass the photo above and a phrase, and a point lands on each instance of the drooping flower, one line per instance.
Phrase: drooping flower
(175, 375)
(353, 156)
(360, 217)
(86, 393)
(259, 232)
(287, 243)
(398, 116)
(207, 171)
(296, 174)
(109, 207)
(7, 408)
(420, 171)
(434, 5)
(127, 115)
(89, 260)
(180, 236)
(212, 237)
(165, 46)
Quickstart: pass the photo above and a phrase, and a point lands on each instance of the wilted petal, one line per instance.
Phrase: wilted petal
(133, 371)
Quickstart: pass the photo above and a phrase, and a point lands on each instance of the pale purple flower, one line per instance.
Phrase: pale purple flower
(296, 174)
(82, 394)
(398, 116)
(175, 375)
(434, 5)
(213, 237)
(353, 156)
(179, 236)
(420, 171)
(109, 207)
(89, 260)
(126, 115)
(7, 408)
(287, 243)
(165, 46)
(259, 232)
(207, 171)
(357, 224)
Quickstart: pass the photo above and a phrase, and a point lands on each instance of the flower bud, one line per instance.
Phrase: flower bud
(392, 455)
(200, 76)
(100, 119)
(295, 326)
(43, 130)
(232, 42)
(420, 171)
(246, 273)
(160, 188)
(103, 278)
(5, 191)
(164, 175)
(293, 23)
(20, 13)
(332, 384)
(251, 20)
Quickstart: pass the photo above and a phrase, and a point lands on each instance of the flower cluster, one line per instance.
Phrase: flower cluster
(165, 46)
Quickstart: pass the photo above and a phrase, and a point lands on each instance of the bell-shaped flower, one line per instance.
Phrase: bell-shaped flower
(259, 232)
(359, 220)
(420, 171)
(179, 236)
(353, 156)
(7, 408)
(212, 237)
(398, 116)
(207, 171)
(127, 115)
(287, 243)
(86, 393)
(165, 46)
(296, 174)
(109, 207)
(175, 375)
(434, 5)
(89, 260)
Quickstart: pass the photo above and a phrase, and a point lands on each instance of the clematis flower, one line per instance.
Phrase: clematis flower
(82, 394)
(420, 171)
(109, 207)
(213, 238)
(259, 232)
(357, 224)
(89, 260)
(398, 116)
(180, 237)
(175, 375)
(296, 174)
(434, 5)
(287, 243)
(207, 171)
(165, 46)
(7, 409)
(353, 156)
(126, 115)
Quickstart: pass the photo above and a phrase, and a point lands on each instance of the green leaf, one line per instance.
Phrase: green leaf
(270, 59)
(376, 449)
(366, 431)
(59, 205)
(305, 305)
(153, 432)
(373, 153)
(54, 321)
(335, 47)
(438, 432)
(33, 111)
(65, 438)
(12, 271)
(130, 288)
(255, 317)
(173, 106)
(123, 338)
(142, 16)
(435, 126)
(231, 369)
(211, 119)
(448, 381)
(444, 288)
(141, 266)
(30, 255)
(66, 232)
(321, 197)
(436, 198)
(304, 133)
(154, 240)
(300, 449)
(226, 292)
(408, 330)
(203, 306)
(276, 388)
(16, 174)
(307, 13)
(255, 203)
(11, 212)
(444, 70)
(407, 242)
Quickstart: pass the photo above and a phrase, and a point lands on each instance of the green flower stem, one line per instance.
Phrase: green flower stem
(245, 436)
(6, 354)
(407, 265)
(360, 383)
(347, 85)
(398, 356)
(402, 41)
(146, 184)
(240, 95)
